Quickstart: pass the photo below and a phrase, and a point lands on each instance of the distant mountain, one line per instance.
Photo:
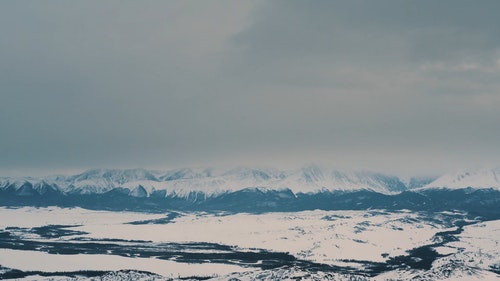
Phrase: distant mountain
(420, 181)
(28, 186)
(182, 182)
(255, 190)
(477, 179)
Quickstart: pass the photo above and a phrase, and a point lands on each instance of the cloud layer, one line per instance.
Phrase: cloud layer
(394, 86)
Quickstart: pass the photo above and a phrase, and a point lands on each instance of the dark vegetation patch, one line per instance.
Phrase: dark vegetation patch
(169, 218)
(16, 274)
(495, 268)
(47, 231)
(56, 231)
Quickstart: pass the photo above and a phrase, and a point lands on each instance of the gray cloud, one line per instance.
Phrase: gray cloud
(411, 29)
(388, 85)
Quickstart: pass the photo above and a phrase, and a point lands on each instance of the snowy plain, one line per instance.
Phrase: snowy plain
(337, 238)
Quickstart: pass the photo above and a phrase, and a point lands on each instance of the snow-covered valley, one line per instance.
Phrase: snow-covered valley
(371, 244)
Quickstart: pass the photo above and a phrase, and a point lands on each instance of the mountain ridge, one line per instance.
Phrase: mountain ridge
(312, 179)
(472, 178)
(181, 182)
(251, 190)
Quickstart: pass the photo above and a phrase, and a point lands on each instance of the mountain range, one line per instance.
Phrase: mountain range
(234, 189)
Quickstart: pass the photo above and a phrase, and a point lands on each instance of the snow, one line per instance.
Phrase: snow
(479, 245)
(479, 178)
(321, 236)
(329, 237)
(470, 258)
(182, 182)
(35, 217)
(211, 182)
(458, 274)
(39, 261)
(305, 234)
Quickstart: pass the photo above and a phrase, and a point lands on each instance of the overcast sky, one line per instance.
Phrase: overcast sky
(404, 87)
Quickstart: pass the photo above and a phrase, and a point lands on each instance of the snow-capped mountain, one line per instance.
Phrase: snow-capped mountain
(29, 186)
(182, 182)
(477, 179)
(254, 190)
(213, 182)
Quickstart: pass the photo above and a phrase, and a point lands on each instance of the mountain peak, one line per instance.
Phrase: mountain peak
(476, 178)
(116, 175)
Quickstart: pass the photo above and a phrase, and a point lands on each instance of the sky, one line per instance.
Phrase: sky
(403, 87)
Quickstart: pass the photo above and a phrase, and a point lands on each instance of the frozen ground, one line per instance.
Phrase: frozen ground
(330, 240)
